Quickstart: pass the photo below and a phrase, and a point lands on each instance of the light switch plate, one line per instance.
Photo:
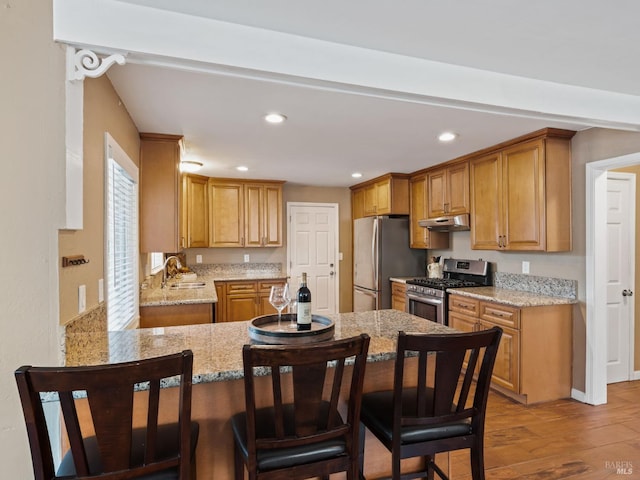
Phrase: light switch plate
(246, 258)
(101, 290)
(525, 267)
(82, 298)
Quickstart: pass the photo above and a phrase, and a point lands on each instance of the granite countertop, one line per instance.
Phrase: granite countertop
(248, 275)
(217, 347)
(155, 297)
(515, 298)
(401, 279)
(209, 274)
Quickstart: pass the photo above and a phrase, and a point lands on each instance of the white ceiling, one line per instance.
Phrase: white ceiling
(332, 132)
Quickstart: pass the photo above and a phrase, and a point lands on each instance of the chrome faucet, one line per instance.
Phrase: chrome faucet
(164, 269)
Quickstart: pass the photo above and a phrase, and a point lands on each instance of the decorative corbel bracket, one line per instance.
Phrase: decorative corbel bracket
(85, 63)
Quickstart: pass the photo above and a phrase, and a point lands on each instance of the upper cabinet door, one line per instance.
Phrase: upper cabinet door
(486, 202)
(254, 215)
(195, 211)
(272, 215)
(226, 219)
(523, 190)
(159, 193)
(263, 215)
(458, 188)
(448, 190)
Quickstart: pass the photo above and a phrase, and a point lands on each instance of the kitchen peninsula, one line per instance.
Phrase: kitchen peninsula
(217, 371)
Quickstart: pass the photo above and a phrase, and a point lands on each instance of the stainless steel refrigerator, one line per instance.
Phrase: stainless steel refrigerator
(380, 251)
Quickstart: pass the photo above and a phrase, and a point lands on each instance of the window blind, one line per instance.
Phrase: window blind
(122, 240)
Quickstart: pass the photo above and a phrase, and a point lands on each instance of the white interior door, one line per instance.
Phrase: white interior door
(620, 275)
(312, 247)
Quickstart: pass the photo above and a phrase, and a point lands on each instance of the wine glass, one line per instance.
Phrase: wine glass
(279, 298)
(293, 306)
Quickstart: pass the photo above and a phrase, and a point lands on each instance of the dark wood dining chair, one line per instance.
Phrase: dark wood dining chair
(431, 408)
(295, 425)
(111, 447)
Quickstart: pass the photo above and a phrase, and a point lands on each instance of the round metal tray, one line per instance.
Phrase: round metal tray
(264, 329)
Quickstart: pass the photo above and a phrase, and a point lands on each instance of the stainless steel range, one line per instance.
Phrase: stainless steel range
(427, 297)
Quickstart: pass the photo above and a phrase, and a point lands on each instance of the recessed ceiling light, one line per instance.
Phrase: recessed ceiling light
(242, 168)
(275, 118)
(356, 175)
(447, 136)
(190, 166)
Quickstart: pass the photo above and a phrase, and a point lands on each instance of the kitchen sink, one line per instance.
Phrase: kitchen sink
(186, 285)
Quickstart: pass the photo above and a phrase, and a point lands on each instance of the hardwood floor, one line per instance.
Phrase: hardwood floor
(563, 439)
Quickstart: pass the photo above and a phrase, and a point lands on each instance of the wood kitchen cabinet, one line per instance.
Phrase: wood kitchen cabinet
(399, 296)
(421, 237)
(448, 190)
(244, 300)
(226, 213)
(245, 214)
(159, 190)
(194, 220)
(263, 214)
(521, 195)
(534, 357)
(385, 195)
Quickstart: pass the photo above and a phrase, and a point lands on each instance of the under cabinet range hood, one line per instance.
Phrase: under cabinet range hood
(447, 224)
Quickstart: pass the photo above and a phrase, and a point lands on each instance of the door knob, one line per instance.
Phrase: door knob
(627, 293)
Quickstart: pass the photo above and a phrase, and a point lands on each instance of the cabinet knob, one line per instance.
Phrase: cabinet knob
(627, 293)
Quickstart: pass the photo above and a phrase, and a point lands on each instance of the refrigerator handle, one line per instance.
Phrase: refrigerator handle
(374, 251)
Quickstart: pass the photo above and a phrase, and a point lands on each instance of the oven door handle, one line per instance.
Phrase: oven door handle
(423, 299)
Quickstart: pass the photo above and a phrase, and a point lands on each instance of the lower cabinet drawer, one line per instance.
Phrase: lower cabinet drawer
(500, 314)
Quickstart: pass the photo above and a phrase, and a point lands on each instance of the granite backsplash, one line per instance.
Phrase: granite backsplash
(240, 268)
(554, 287)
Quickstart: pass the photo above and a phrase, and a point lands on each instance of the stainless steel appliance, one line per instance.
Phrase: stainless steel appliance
(427, 297)
(380, 251)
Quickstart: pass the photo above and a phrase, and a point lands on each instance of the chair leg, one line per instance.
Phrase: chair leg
(477, 463)
(238, 463)
(395, 465)
(361, 450)
(428, 466)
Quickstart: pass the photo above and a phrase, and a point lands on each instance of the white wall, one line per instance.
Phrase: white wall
(32, 197)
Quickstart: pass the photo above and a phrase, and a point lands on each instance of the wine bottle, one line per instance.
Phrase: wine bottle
(303, 318)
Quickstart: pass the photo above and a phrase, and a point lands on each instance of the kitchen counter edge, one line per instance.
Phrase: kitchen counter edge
(514, 298)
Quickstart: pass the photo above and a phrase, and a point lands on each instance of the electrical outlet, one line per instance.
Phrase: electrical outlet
(82, 298)
(246, 258)
(198, 258)
(525, 267)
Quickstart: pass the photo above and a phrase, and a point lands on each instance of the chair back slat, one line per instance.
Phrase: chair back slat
(308, 386)
(108, 392)
(72, 424)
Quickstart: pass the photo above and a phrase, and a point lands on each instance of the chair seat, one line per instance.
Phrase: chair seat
(283, 457)
(167, 447)
(377, 414)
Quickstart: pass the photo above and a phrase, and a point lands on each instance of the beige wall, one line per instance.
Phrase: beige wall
(636, 171)
(32, 119)
(103, 112)
(296, 193)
